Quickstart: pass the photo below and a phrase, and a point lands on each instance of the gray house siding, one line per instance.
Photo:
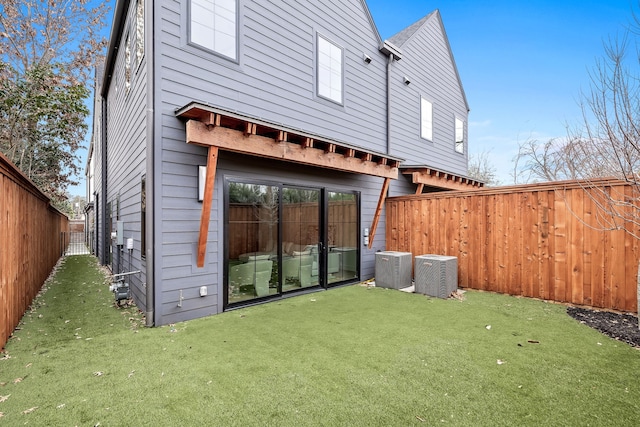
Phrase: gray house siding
(274, 80)
(428, 63)
(275, 77)
(125, 133)
(180, 277)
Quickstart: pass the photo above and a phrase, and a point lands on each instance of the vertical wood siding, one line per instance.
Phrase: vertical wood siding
(32, 243)
(553, 241)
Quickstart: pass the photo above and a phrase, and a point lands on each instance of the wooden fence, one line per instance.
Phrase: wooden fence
(31, 230)
(555, 241)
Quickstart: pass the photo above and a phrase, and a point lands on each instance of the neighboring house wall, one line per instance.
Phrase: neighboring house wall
(125, 133)
(96, 170)
(428, 63)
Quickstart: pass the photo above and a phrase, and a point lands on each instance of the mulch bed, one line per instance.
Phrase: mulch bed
(620, 326)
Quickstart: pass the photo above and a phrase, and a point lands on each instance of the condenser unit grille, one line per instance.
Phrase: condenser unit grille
(393, 269)
(436, 275)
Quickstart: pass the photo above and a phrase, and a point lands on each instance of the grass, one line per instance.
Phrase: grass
(352, 356)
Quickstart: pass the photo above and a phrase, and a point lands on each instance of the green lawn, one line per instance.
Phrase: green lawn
(353, 356)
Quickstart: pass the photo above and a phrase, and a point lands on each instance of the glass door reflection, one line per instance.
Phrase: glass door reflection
(300, 238)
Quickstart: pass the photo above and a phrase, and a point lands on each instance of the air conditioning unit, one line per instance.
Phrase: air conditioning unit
(393, 269)
(436, 275)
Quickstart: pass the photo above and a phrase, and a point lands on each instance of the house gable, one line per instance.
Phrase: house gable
(427, 74)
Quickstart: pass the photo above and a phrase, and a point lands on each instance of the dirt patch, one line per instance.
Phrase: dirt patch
(622, 327)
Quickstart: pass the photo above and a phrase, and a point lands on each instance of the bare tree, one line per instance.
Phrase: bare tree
(558, 159)
(481, 169)
(607, 143)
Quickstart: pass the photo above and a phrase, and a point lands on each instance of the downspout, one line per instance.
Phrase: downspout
(106, 235)
(389, 62)
(395, 54)
(150, 163)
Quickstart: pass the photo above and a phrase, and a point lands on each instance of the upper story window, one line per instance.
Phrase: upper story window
(127, 64)
(139, 31)
(426, 119)
(329, 70)
(214, 26)
(459, 144)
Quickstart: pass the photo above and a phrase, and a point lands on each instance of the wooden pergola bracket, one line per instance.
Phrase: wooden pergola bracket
(218, 129)
(376, 215)
(212, 162)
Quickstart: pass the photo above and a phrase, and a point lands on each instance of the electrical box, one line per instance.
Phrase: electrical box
(119, 233)
(130, 243)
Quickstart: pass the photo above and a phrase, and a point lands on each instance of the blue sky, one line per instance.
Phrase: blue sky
(523, 64)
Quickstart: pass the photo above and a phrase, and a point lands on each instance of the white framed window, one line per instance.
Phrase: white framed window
(459, 143)
(426, 119)
(214, 26)
(127, 64)
(330, 70)
(139, 31)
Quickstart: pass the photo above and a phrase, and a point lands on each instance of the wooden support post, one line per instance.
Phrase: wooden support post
(250, 129)
(419, 189)
(376, 215)
(212, 162)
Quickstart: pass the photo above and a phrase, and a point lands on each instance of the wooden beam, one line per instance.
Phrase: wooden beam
(420, 188)
(212, 162)
(350, 152)
(376, 215)
(437, 179)
(262, 146)
(307, 143)
(331, 148)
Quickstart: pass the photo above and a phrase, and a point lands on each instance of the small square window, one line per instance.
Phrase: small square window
(459, 146)
(426, 119)
(329, 70)
(214, 25)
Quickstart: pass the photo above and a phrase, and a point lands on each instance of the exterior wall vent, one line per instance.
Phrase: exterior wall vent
(393, 269)
(436, 275)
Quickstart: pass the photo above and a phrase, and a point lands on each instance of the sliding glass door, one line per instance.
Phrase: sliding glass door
(252, 237)
(342, 220)
(282, 239)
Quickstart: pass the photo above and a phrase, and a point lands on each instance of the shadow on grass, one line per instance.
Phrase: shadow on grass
(349, 356)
